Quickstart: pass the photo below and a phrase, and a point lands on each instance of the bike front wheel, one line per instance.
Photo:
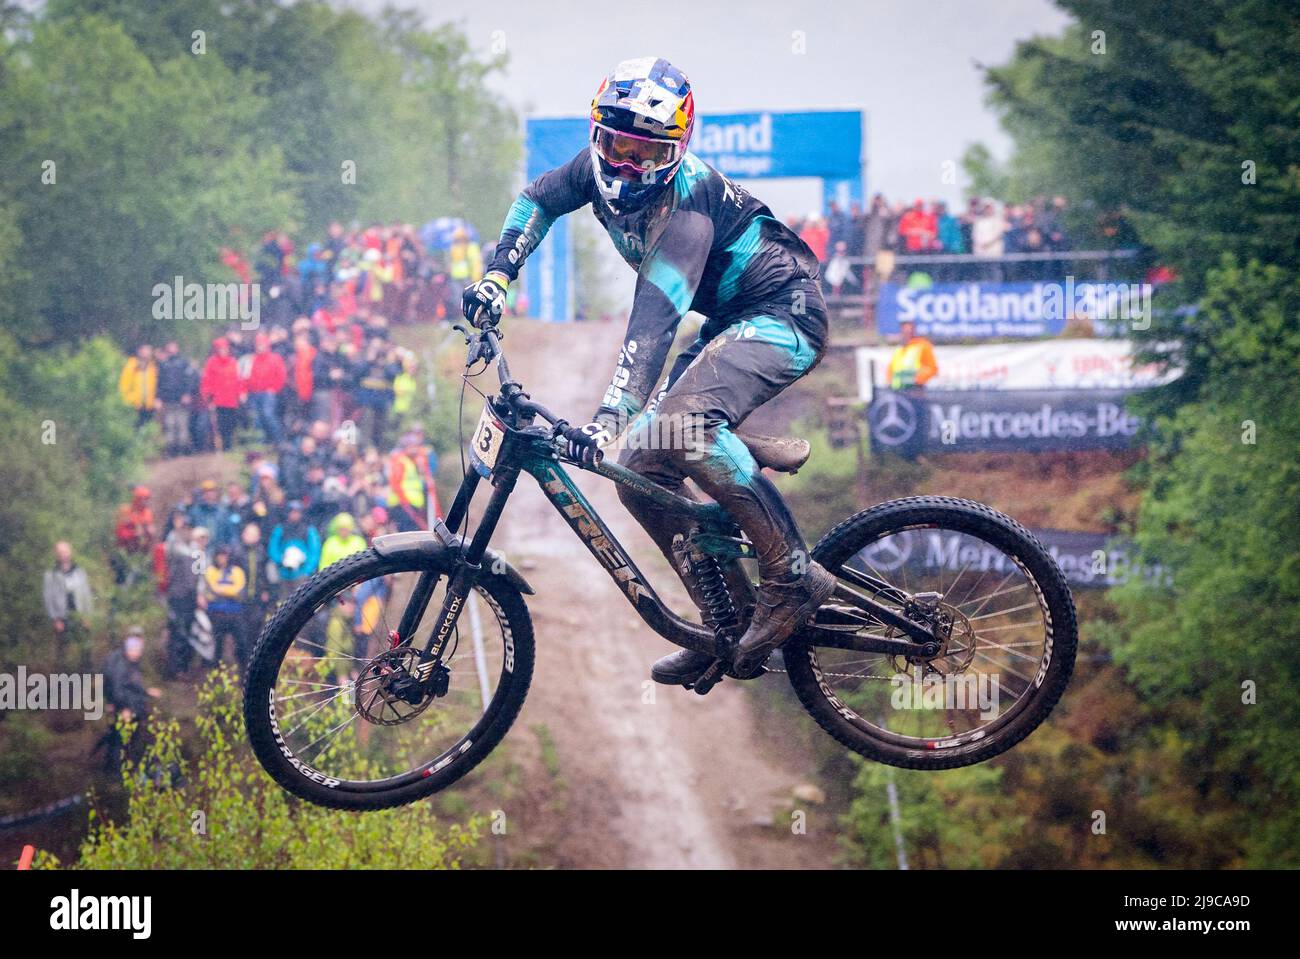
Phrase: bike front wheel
(342, 717)
(1000, 604)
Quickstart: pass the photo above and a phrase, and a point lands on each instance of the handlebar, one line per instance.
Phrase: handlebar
(486, 345)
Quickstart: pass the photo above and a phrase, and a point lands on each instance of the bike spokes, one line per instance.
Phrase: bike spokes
(979, 603)
(357, 705)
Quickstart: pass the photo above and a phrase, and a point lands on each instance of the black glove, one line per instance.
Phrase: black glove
(585, 442)
(483, 302)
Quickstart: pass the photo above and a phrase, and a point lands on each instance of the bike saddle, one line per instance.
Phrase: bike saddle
(785, 454)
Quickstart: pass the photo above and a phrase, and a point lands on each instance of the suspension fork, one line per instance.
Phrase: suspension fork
(460, 505)
(468, 565)
(428, 581)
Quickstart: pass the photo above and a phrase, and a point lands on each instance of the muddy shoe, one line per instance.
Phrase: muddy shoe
(781, 609)
(680, 668)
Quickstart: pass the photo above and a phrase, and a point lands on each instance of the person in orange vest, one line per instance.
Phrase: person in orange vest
(912, 364)
(410, 483)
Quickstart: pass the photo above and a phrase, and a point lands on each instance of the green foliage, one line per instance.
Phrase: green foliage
(948, 820)
(219, 810)
(1223, 513)
(164, 155)
(67, 449)
(27, 740)
(1186, 123)
(1187, 103)
(155, 166)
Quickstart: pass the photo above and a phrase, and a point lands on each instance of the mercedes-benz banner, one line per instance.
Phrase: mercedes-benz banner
(959, 421)
(1089, 560)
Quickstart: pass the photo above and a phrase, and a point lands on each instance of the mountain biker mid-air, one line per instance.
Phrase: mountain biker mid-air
(698, 242)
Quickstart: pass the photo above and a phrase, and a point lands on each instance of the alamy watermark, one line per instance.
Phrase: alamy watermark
(82, 692)
(966, 691)
(216, 302)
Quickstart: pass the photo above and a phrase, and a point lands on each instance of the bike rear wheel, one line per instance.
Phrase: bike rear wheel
(340, 718)
(1009, 648)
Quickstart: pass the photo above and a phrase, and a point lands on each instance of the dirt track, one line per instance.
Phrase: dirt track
(635, 775)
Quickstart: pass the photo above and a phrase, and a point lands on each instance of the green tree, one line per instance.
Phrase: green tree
(1222, 513)
(948, 820)
(125, 174)
(1183, 115)
(67, 449)
(405, 105)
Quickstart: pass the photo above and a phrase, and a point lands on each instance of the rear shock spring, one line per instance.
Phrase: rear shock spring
(719, 612)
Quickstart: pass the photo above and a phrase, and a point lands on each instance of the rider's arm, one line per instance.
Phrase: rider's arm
(546, 199)
(665, 288)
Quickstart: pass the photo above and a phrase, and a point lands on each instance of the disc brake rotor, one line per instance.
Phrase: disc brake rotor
(393, 688)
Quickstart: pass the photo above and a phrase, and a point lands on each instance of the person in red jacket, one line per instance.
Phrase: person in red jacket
(223, 391)
(304, 379)
(919, 229)
(266, 378)
(817, 236)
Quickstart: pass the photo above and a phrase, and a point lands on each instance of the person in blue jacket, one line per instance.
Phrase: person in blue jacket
(294, 548)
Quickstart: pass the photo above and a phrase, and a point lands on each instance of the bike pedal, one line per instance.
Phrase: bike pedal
(710, 677)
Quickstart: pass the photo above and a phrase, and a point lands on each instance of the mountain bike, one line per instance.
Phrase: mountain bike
(391, 674)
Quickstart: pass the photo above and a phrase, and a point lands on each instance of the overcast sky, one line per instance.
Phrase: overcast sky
(910, 64)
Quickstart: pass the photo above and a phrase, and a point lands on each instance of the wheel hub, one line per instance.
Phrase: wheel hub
(398, 685)
(952, 632)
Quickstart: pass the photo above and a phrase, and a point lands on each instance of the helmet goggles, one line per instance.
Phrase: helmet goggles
(630, 156)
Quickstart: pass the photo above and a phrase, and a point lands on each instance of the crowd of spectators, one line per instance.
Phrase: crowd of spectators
(226, 554)
(319, 401)
(321, 349)
(850, 242)
(234, 550)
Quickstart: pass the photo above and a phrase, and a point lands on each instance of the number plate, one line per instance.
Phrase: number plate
(486, 444)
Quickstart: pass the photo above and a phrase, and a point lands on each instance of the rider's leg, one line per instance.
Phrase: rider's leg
(740, 368)
(643, 456)
(683, 665)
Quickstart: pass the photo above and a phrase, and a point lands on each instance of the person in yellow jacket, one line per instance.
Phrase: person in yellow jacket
(465, 259)
(342, 541)
(404, 384)
(138, 384)
(223, 597)
(377, 275)
(913, 363)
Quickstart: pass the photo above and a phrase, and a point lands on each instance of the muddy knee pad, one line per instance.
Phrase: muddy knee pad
(728, 472)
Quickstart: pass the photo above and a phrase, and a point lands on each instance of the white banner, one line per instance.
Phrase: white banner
(1045, 365)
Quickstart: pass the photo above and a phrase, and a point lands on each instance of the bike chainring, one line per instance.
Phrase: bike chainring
(398, 685)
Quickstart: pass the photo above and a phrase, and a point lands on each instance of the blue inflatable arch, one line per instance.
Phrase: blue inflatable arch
(827, 144)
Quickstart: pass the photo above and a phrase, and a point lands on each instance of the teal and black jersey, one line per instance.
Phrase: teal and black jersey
(706, 245)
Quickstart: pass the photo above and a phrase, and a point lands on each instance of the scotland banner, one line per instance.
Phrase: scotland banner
(909, 422)
(977, 310)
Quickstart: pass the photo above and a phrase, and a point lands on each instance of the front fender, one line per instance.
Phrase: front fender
(428, 546)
